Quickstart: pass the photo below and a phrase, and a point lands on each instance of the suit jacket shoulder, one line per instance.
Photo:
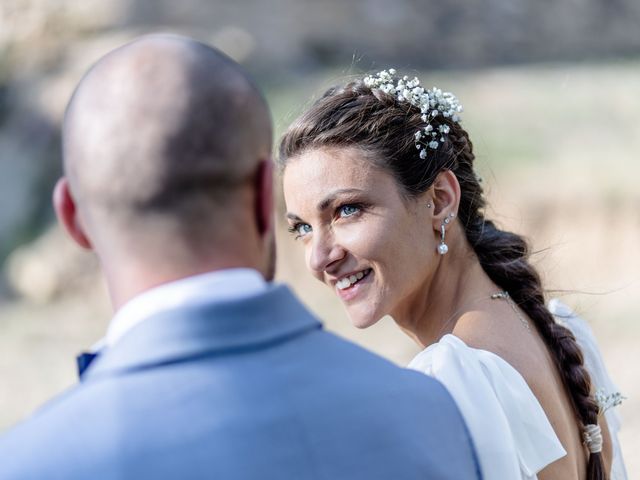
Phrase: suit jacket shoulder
(243, 390)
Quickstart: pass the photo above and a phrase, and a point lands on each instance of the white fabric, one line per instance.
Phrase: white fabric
(230, 284)
(510, 430)
(593, 438)
(599, 376)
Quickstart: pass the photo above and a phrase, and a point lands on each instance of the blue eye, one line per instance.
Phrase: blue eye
(300, 229)
(348, 210)
(303, 228)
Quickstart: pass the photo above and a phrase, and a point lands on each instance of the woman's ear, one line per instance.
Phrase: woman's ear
(445, 197)
(67, 213)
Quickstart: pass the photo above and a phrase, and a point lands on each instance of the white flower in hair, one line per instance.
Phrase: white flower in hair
(432, 103)
(606, 401)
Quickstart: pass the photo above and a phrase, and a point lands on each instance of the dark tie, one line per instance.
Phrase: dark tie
(84, 360)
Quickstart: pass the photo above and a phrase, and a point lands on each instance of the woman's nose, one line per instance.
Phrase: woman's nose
(324, 252)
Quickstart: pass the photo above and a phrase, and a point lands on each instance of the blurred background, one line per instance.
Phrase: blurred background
(551, 96)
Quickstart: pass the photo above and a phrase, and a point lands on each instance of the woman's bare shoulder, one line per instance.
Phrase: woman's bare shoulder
(502, 333)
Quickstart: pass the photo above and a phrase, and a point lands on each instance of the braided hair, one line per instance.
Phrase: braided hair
(356, 115)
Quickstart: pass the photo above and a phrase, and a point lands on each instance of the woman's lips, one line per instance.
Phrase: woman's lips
(347, 286)
(350, 280)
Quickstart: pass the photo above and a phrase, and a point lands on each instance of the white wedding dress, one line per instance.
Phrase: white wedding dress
(511, 432)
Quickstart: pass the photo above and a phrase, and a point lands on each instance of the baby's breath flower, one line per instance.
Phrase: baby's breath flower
(605, 402)
(432, 103)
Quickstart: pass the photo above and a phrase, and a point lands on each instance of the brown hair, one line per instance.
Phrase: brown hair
(357, 116)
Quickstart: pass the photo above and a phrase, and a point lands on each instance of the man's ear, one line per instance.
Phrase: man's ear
(67, 213)
(446, 197)
(264, 197)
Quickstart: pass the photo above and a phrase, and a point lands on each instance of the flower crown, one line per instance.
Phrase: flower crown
(431, 103)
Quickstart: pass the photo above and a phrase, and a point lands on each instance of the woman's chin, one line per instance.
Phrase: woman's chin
(362, 321)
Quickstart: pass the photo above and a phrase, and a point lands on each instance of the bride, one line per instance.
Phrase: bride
(380, 187)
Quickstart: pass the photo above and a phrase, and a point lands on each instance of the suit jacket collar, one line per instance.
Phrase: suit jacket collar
(206, 287)
(218, 327)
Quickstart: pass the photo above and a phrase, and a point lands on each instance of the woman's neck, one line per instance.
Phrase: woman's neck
(458, 286)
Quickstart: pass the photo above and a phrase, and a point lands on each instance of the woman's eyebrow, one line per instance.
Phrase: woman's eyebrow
(293, 216)
(329, 199)
(326, 201)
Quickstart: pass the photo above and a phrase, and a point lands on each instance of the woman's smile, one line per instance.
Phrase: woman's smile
(351, 285)
(351, 279)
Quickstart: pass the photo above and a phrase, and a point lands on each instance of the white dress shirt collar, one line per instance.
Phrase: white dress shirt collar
(230, 284)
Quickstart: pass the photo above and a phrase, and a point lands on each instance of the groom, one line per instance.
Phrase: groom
(208, 370)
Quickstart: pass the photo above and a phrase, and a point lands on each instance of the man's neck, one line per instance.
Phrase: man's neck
(131, 279)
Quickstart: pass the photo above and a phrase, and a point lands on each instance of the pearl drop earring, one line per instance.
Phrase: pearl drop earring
(442, 248)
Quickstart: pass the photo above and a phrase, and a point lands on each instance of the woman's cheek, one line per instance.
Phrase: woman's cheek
(366, 239)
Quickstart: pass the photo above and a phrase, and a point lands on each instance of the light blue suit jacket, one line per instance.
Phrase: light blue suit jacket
(250, 389)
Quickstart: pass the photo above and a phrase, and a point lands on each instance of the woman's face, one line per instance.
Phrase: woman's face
(375, 248)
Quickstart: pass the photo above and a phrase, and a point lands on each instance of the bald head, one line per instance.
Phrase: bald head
(163, 127)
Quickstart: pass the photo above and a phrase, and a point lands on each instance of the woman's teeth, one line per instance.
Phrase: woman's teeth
(346, 282)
